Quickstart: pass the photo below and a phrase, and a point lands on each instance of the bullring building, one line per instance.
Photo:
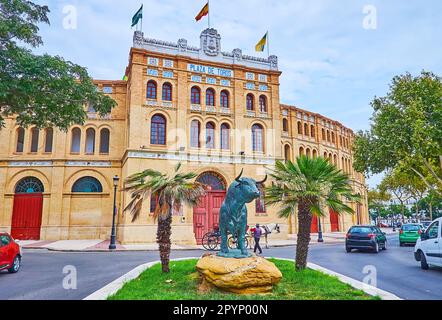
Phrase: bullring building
(215, 111)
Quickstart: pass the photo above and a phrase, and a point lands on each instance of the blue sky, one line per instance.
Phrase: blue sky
(330, 63)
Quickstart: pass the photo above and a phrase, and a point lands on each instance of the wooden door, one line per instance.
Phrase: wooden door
(206, 214)
(334, 221)
(26, 216)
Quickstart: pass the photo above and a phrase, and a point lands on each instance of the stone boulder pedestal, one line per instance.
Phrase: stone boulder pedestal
(242, 276)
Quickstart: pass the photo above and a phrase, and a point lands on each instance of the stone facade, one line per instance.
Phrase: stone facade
(88, 215)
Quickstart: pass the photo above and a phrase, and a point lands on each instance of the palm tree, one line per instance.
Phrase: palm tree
(309, 185)
(171, 192)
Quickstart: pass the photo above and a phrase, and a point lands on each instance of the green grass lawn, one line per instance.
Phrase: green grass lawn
(182, 284)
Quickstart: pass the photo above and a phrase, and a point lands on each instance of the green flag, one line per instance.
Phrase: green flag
(137, 16)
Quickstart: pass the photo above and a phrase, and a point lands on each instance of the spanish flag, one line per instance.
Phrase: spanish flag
(262, 43)
(204, 12)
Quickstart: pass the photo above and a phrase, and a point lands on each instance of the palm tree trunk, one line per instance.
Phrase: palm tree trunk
(163, 239)
(303, 240)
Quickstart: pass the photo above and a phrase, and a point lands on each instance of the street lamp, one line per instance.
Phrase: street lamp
(112, 245)
(320, 239)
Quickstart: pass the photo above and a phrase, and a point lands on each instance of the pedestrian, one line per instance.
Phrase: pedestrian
(257, 236)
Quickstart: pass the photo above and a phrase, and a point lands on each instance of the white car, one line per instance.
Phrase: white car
(428, 249)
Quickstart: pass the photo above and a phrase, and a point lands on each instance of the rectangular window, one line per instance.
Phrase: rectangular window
(250, 86)
(167, 74)
(152, 61)
(262, 78)
(211, 80)
(225, 83)
(107, 90)
(49, 140)
(196, 78)
(34, 140)
(152, 72)
(168, 63)
(250, 76)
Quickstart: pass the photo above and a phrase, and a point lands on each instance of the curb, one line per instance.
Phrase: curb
(368, 289)
(116, 285)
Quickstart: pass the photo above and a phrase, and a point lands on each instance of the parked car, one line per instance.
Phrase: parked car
(382, 225)
(428, 249)
(10, 254)
(365, 238)
(409, 233)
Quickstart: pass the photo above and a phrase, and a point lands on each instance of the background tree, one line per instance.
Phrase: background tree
(172, 193)
(406, 129)
(40, 90)
(308, 186)
(376, 202)
(397, 183)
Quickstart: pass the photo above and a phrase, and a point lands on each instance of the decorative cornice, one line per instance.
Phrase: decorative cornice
(210, 50)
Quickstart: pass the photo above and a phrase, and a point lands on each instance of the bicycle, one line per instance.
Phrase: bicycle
(211, 240)
(233, 242)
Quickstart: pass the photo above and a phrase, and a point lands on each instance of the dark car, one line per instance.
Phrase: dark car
(365, 238)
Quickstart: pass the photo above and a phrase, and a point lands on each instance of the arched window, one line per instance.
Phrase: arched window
(333, 137)
(151, 90)
(306, 129)
(158, 130)
(285, 125)
(299, 127)
(213, 180)
(224, 99)
(29, 185)
(312, 131)
(76, 140)
(287, 153)
(210, 97)
(104, 141)
(315, 154)
(195, 95)
(210, 135)
(195, 128)
(301, 151)
(49, 139)
(335, 160)
(225, 136)
(263, 104)
(20, 140)
(35, 133)
(90, 141)
(307, 153)
(258, 138)
(260, 202)
(167, 92)
(250, 102)
(328, 135)
(87, 184)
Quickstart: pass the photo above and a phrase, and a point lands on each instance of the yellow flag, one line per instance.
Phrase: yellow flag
(261, 44)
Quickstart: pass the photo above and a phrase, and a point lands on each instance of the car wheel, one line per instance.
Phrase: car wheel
(385, 246)
(376, 248)
(348, 249)
(424, 264)
(401, 244)
(15, 265)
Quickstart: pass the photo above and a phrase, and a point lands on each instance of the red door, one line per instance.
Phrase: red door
(206, 214)
(314, 228)
(334, 221)
(26, 216)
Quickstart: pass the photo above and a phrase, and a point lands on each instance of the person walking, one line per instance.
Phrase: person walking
(257, 236)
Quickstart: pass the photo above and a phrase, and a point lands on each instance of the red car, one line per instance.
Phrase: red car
(10, 254)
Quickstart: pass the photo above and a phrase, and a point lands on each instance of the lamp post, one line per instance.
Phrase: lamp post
(112, 245)
(320, 239)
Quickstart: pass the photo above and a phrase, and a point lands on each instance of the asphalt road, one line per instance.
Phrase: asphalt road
(41, 276)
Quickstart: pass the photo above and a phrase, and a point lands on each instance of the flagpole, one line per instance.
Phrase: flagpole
(142, 17)
(208, 7)
(268, 45)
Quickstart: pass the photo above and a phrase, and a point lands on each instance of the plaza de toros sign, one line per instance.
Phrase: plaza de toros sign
(214, 71)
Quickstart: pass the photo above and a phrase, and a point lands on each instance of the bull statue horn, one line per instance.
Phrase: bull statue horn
(240, 175)
(262, 182)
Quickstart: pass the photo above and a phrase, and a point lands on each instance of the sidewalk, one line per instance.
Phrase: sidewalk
(103, 246)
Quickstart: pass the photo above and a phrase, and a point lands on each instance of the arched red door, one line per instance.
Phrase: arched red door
(314, 228)
(27, 209)
(334, 221)
(206, 214)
